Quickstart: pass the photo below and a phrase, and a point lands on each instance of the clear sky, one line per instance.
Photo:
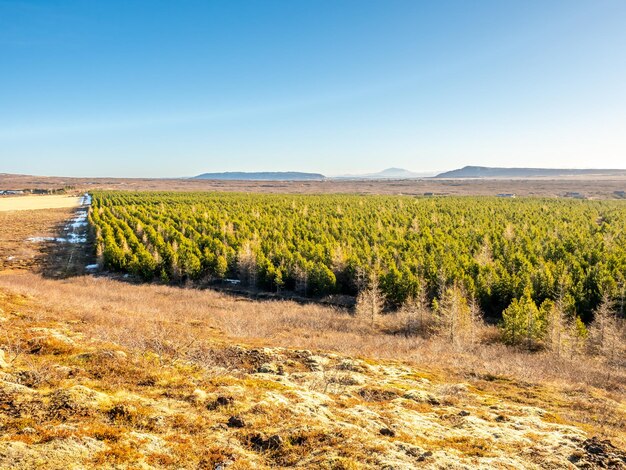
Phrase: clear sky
(177, 88)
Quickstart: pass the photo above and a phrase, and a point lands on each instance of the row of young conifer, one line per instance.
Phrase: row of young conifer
(509, 255)
(456, 318)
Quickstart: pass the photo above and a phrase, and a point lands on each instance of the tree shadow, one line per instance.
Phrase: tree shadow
(69, 251)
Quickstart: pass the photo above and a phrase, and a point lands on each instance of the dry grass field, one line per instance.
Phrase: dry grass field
(103, 373)
(100, 373)
(17, 227)
(599, 187)
(30, 203)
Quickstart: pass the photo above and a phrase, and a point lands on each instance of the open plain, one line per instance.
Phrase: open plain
(598, 187)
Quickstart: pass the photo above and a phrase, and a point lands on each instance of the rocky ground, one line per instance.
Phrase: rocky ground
(72, 401)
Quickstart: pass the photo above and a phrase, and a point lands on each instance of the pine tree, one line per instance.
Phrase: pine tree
(522, 321)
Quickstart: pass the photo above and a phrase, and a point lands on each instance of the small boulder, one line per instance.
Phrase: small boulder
(387, 432)
(464, 413)
(421, 397)
(268, 368)
(236, 422)
(424, 456)
(261, 444)
(224, 400)
(353, 366)
(316, 363)
(220, 401)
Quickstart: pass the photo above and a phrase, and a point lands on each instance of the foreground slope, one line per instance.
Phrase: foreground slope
(110, 384)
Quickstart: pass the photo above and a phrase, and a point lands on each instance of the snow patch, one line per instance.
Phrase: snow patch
(44, 239)
(72, 238)
(85, 200)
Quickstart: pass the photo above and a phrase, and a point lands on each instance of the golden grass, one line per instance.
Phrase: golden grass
(127, 394)
(29, 203)
(201, 326)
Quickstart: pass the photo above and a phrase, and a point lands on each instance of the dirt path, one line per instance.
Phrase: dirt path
(54, 241)
(24, 203)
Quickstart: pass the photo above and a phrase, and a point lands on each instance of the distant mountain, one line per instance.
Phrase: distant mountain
(493, 172)
(262, 176)
(389, 173)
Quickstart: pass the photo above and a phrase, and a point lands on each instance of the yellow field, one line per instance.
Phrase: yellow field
(25, 203)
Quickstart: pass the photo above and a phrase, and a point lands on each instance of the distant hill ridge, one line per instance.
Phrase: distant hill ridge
(495, 172)
(262, 176)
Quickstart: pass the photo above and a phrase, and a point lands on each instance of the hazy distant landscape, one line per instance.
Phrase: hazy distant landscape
(486, 172)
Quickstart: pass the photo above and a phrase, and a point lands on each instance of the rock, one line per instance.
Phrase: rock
(353, 366)
(260, 444)
(600, 454)
(387, 432)
(236, 422)
(268, 368)
(3, 363)
(224, 400)
(373, 394)
(424, 456)
(501, 418)
(412, 451)
(421, 397)
(464, 413)
(220, 401)
(316, 363)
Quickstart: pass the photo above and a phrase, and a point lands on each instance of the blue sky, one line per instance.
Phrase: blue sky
(164, 88)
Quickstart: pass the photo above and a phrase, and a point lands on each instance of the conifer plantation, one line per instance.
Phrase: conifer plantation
(518, 256)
